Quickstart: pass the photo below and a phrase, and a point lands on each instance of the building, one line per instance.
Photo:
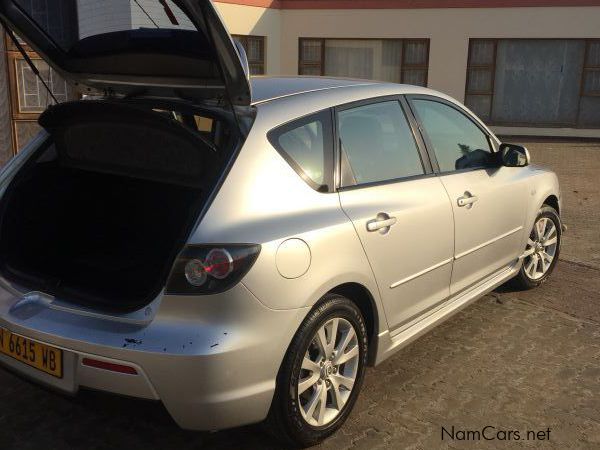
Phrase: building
(527, 67)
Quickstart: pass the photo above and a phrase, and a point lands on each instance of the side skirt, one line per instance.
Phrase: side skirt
(392, 341)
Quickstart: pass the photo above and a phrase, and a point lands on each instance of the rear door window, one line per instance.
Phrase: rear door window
(378, 144)
(307, 145)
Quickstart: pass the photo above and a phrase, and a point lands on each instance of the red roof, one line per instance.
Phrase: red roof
(408, 4)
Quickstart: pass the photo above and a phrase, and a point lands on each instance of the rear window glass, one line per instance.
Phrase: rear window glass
(307, 146)
(211, 129)
(67, 22)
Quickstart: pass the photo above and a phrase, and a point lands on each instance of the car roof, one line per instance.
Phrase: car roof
(267, 89)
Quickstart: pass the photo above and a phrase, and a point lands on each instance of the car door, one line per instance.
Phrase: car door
(489, 200)
(399, 209)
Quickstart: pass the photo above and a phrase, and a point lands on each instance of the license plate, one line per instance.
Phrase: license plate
(39, 356)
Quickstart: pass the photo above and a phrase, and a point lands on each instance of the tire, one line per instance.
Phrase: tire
(288, 420)
(525, 279)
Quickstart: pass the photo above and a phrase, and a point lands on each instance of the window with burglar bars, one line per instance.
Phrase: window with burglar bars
(393, 60)
(508, 81)
(255, 52)
(28, 95)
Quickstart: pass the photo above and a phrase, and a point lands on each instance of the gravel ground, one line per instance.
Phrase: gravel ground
(516, 361)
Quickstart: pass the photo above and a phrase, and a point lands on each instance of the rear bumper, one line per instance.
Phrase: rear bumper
(211, 360)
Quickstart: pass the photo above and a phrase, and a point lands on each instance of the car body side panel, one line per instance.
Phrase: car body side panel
(489, 232)
(264, 201)
(412, 262)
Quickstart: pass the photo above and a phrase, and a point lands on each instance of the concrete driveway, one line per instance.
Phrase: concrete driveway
(515, 361)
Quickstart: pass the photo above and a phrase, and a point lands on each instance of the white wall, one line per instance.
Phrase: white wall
(250, 20)
(448, 29)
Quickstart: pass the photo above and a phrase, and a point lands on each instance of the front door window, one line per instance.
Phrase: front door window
(457, 142)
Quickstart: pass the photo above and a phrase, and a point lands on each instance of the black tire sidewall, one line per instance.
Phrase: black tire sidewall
(297, 428)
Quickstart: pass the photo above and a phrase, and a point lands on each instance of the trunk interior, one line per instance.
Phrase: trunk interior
(94, 219)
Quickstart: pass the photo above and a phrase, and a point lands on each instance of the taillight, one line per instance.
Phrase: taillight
(210, 269)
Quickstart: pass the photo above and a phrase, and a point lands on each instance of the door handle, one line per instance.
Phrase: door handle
(467, 200)
(382, 223)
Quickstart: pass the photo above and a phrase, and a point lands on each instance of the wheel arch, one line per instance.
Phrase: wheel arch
(552, 200)
(364, 300)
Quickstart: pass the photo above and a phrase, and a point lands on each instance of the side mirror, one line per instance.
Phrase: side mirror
(514, 155)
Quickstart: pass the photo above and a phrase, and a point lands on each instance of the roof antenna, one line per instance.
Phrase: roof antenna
(28, 60)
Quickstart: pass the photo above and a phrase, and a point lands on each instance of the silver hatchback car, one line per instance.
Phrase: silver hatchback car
(241, 250)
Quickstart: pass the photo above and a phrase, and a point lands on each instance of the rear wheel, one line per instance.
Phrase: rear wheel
(321, 375)
(542, 250)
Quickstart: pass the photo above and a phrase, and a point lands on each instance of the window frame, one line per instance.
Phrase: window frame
(582, 94)
(406, 66)
(340, 163)
(491, 67)
(493, 141)
(244, 40)
(320, 65)
(403, 66)
(326, 115)
(587, 67)
(17, 116)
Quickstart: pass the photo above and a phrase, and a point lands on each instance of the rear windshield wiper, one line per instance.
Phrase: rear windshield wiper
(169, 12)
(146, 12)
(167, 9)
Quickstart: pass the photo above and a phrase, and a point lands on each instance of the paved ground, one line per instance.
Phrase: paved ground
(515, 361)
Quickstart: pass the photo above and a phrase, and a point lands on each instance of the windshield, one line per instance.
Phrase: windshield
(67, 22)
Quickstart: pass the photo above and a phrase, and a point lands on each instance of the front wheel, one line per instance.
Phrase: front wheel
(542, 250)
(321, 375)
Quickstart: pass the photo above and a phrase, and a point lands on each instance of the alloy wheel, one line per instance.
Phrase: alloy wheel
(328, 372)
(541, 248)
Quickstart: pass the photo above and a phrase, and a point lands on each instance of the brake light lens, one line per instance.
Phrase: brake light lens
(210, 269)
(195, 272)
(219, 263)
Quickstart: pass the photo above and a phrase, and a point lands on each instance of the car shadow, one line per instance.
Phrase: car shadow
(99, 420)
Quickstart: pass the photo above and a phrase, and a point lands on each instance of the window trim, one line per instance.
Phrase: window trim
(403, 67)
(425, 161)
(328, 148)
(493, 141)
